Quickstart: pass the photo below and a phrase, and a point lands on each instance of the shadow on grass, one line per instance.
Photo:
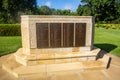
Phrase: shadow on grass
(106, 47)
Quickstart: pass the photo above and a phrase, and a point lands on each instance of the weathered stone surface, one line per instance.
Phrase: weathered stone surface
(29, 22)
(50, 66)
(54, 55)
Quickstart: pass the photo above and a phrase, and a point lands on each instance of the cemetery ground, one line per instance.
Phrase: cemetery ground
(106, 39)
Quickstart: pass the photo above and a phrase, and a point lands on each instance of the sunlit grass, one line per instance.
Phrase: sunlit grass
(9, 44)
(108, 39)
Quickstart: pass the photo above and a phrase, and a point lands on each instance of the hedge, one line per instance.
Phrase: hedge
(108, 26)
(10, 30)
(14, 29)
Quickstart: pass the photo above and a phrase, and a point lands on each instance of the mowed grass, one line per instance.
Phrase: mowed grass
(108, 40)
(9, 44)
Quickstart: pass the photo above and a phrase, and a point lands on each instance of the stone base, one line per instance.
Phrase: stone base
(18, 70)
(38, 57)
(20, 64)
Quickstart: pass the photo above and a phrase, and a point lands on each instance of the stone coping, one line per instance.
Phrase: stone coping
(54, 16)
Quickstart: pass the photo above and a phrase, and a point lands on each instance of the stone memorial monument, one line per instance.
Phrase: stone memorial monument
(55, 44)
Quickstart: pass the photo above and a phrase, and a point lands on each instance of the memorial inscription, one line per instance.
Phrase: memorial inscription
(68, 34)
(42, 35)
(80, 34)
(55, 35)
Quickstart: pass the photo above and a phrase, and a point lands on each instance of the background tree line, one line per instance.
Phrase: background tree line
(10, 10)
(105, 11)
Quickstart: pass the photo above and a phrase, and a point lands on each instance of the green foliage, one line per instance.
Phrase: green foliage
(10, 30)
(108, 26)
(102, 10)
(74, 14)
(45, 10)
(10, 10)
(107, 11)
(83, 10)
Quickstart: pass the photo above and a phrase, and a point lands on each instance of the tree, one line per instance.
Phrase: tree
(30, 6)
(84, 10)
(74, 14)
(63, 12)
(0, 5)
(53, 11)
(66, 12)
(103, 10)
(14, 8)
(44, 10)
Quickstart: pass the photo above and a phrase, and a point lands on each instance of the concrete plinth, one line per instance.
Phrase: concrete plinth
(45, 67)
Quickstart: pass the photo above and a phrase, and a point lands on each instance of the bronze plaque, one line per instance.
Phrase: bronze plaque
(42, 35)
(68, 34)
(52, 35)
(80, 33)
(55, 34)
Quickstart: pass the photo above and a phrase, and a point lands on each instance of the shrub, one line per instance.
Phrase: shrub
(10, 30)
(100, 25)
(113, 27)
(108, 26)
(118, 25)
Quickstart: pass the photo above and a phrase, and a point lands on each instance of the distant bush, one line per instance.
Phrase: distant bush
(10, 30)
(108, 26)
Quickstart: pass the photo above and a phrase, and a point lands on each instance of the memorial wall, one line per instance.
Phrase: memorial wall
(55, 44)
(57, 33)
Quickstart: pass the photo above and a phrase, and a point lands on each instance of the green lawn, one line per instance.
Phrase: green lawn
(9, 44)
(106, 39)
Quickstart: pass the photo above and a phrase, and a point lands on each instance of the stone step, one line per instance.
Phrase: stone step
(20, 70)
(51, 58)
